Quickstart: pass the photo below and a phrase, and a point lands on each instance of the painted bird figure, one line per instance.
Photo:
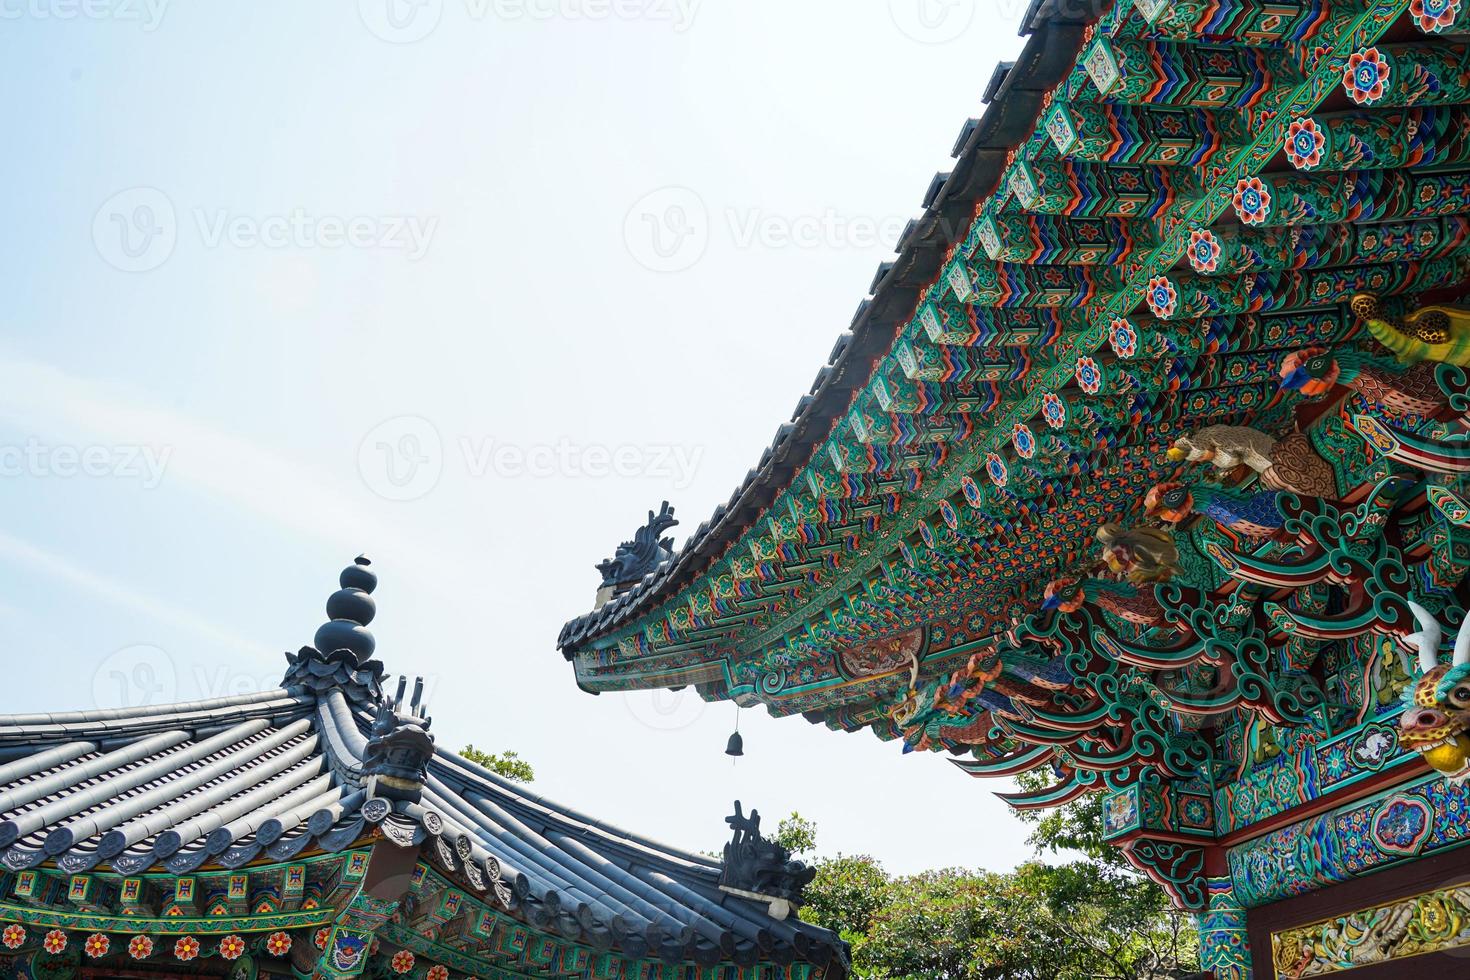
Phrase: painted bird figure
(1290, 463)
(1139, 554)
(1430, 333)
(1313, 371)
(1254, 515)
(1122, 599)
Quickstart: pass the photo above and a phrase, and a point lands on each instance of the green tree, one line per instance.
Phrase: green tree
(1087, 920)
(508, 764)
(797, 834)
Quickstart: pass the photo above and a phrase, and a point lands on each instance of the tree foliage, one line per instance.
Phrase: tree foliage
(797, 834)
(1085, 920)
(508, 764)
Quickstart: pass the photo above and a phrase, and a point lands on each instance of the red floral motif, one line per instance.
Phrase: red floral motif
(320, 939)
(1162, 297)
(1023, 439)
(278, 943)
(1204, 251)
(402, 961)
(54, 942)
(13, 936)
(1122, 338)
(1434, 16)
(1252, 201)
(995, 468)
(1054, 410)
(1305, 142)
(97, 944)
(140, 947)
(231, 947)
(438, 972)
(1366, 76)
(1089, 375)
(186, 948)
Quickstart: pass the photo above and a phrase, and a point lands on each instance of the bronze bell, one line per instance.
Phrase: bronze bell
(736, 745)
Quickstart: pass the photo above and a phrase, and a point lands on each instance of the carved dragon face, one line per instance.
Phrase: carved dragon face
(1065, 595)
(1436, 722)
(1170, 501)
(1436, 718)
(1311, 371)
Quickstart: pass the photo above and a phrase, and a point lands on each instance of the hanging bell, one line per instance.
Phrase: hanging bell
(736, 745)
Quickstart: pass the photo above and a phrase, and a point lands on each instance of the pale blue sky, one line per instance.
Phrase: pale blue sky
(264, 258)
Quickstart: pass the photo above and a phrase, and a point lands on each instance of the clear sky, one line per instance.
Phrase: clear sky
(469, 286)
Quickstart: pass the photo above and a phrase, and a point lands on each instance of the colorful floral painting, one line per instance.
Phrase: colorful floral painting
(186, 948)
(1023, 440)
(54, 942)
(13, 937)
(140, 947)
(1434, 16)
(1204, 251)
(278, 943)
(1366, 76)
(1089, 375)
(1162, 297)
(402, 961)
(1252, 201)
(995, 468)
(1054, 410)
(1305, 143)
(1122, 337)
(97, 944)
(231, 947)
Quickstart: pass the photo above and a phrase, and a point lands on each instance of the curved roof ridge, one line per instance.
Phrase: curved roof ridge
(108, 717)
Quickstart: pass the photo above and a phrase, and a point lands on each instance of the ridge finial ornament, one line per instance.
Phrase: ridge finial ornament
(761, 869)
(645, 553)
(342, 654)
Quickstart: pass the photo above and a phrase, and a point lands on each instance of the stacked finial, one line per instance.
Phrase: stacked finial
(351, 609)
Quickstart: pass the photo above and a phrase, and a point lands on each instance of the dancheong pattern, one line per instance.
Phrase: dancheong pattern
(1165, 458)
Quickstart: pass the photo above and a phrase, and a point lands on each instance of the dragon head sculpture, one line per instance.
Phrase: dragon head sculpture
(1436, 718)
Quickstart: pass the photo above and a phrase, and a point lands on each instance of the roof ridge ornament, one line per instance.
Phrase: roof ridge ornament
(342, 657)
(635, 559)
(396, 760)
(760, 869)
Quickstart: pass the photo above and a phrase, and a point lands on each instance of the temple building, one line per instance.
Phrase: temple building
(1145, 469)
(317, 830)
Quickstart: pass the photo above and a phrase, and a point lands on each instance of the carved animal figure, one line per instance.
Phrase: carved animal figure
(1139, 554)
(1313, 371)
(1436, 718)
(1253, 515)
(1286, 464)
(1430, 333)
(635, 559)
(1119, 598)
